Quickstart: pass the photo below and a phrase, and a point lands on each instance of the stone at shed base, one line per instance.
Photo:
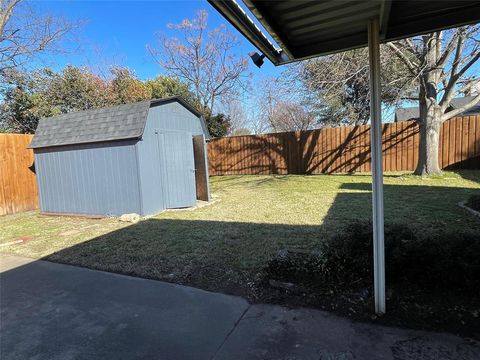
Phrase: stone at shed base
(133, 218)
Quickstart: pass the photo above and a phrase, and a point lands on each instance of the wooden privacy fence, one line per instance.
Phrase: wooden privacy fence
(342, 149)
(329, 150)
(18, 186)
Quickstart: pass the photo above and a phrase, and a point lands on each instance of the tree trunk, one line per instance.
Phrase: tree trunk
(430, 112)
(429, 141)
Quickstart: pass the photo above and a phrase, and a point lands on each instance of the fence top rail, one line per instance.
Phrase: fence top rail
(406, 123)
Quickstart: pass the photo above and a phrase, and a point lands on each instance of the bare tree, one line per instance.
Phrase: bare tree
(290, 116)
(256, 121)
(24, 33)
(336, 87)
(204, 59)
(270, 94)
(470, 88)
(440, 61)
(279, 108)
(233, 108)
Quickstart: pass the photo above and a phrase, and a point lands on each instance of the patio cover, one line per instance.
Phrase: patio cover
(305, 29)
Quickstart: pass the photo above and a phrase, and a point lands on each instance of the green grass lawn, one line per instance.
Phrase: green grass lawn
(253, 217)
(225, 245)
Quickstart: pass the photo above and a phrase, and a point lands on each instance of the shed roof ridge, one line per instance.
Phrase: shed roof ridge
(117, 122)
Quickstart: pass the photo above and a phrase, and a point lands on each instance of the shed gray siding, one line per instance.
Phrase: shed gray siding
(163, 118)
(173, 116)
(83, 167)
(100, 178)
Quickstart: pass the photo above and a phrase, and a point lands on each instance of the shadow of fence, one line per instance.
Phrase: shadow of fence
(342, 150)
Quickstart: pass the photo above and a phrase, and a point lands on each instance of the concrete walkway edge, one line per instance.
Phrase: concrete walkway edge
(55, 311)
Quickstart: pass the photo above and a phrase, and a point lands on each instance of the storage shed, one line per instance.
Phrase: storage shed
(134, 158)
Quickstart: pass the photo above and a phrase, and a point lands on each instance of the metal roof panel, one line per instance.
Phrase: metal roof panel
(306, 29)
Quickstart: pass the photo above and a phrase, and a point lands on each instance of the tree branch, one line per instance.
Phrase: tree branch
(410, 65)
(450, 86)
(467, 106)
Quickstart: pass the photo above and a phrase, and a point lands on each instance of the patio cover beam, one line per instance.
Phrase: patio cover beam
(242, 22)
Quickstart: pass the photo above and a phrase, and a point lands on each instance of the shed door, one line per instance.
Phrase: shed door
(178, 169)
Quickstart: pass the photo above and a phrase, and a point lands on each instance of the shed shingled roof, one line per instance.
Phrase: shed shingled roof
(126, 121)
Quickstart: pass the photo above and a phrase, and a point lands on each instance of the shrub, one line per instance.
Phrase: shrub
(292, 266)
(414, 257)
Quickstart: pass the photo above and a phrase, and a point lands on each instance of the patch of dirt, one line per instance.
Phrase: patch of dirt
(25, 239)
(405, 308)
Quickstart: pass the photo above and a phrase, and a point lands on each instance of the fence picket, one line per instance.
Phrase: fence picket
(18, 185)
(338, 150)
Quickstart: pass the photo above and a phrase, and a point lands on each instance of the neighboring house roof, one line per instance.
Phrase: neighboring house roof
(411, 113)
(403, 114)
(119, 122)
(462, 101)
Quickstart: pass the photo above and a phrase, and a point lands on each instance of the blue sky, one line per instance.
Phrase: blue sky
(118, 32)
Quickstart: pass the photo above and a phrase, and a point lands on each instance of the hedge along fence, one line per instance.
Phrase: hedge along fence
(342, 149)
(18, 186)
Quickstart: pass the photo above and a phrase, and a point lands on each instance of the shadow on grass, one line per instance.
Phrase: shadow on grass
(230, 257)
(158, 248)
(470, 174)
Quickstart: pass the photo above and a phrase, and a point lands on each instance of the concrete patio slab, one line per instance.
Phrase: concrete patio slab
(276, 333)
(53, 311)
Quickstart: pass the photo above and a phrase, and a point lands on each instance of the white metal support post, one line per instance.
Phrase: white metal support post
(377, 168)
